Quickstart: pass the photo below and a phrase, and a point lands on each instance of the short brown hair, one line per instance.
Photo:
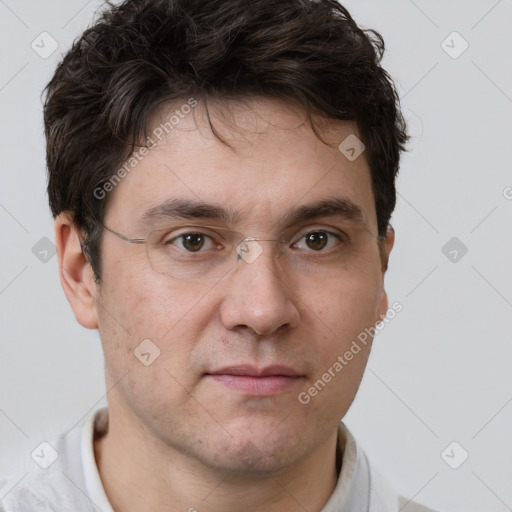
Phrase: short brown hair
(146, 53)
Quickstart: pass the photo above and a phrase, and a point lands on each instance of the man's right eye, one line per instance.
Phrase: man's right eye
(192, 242)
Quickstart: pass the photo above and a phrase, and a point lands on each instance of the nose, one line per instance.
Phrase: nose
(259, 295)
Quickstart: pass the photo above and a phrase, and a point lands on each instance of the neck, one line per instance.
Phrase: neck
(138, 473)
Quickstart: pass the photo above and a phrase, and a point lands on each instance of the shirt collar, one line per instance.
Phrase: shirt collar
(352, 490)
(95, 426)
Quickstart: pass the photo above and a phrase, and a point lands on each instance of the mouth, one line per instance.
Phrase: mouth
(251, 380)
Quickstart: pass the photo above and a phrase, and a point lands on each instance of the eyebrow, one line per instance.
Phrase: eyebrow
(178, 208)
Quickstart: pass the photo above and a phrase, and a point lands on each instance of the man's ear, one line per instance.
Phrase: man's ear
(385, 247)
(76, 274)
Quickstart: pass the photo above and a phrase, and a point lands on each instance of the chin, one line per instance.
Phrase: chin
(250, 461)
(260, 449)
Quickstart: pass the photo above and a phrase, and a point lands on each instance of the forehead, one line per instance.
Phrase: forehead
(275, 163)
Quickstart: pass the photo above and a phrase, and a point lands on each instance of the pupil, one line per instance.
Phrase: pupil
(193, 241)
(316, 240)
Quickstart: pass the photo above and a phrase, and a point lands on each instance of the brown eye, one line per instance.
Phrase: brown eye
(317, 240)
(193, 242)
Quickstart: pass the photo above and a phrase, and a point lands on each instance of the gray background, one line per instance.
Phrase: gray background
(439, 372)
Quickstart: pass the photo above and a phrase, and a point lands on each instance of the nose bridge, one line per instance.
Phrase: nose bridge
(251, 248)
(258, 266)
(258, 295)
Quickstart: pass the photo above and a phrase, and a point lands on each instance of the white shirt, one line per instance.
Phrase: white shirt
(72, 483)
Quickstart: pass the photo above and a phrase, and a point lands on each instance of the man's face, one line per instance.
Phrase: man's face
(204, 396)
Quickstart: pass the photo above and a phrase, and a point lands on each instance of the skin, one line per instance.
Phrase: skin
(177, 439)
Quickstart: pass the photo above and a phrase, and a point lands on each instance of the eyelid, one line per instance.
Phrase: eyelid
(209, 231)
(300, 233)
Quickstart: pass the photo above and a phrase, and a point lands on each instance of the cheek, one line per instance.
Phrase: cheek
(138, 305)
(343, 315)
(147, 303)
(347, 306)
(173, 315)
(148, 335)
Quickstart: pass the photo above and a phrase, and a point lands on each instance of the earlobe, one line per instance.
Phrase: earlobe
(383, 306)
(76, 275)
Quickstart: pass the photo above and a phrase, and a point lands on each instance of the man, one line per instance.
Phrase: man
(222, 177)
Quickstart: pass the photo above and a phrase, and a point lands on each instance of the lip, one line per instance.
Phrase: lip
(248, 370)
(255, 381)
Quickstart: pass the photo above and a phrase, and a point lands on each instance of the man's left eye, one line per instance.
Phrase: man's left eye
(318, 241)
